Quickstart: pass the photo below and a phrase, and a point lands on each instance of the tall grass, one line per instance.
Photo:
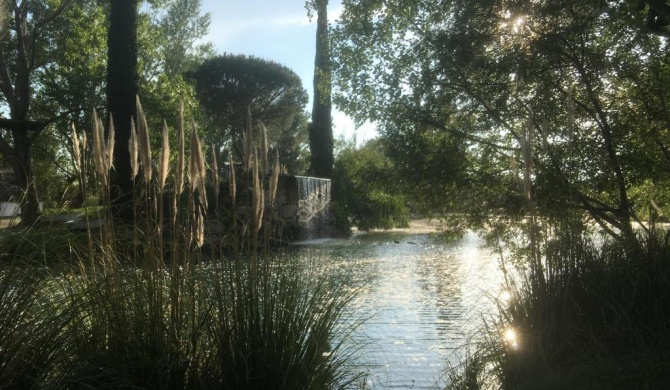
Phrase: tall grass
(143, 306)
(600, 319)
(31, 334)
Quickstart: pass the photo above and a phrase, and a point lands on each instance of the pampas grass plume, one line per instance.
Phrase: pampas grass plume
(164, 162)
(144, 144)
(133, 148)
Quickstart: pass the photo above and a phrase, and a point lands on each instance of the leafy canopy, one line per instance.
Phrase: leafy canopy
(559, 103)
(228, 85)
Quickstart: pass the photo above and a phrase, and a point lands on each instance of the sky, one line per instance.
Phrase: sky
(277, 30)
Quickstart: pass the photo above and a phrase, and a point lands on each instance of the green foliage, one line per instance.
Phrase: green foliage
(171, 39)
(30, 329)
(292, 146)
(576, 88)
(168, 33)
(229, 85)
(223, 324)
(73, 83)
(364, 185)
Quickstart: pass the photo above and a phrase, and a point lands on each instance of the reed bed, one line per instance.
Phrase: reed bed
(142, 304)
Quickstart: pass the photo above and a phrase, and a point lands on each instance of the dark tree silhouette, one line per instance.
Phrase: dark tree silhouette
(230, 85)
(20, 58)
(122, 89)
(321, 128)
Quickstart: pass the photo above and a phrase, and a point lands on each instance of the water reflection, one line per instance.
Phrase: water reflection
(424, 299)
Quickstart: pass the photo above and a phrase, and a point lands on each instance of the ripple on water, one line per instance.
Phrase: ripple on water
(423, 298)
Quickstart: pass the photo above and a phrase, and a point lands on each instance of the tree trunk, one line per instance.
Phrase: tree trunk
(321, 128)
(122, 89)
(23, 172)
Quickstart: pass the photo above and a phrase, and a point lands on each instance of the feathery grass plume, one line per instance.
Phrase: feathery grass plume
(84, 146)
(264, 147)
(245, 152)
(164, 162)
(259, 198)
(99, 152)
(76, 149)
(144, 144)
(274, 181)
(200, 229)
(215, 173)
(196, 169)
(196, 174)
(110, 143)
(232, 186)
(202, 164)
(133, 148)
(179, 188)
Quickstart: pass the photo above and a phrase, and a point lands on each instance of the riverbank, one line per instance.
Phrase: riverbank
(419, 226)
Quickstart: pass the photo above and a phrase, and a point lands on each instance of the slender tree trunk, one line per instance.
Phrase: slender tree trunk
(19, 107)
(321, 128)
(122, 89)
(24, 176)
(19, 158)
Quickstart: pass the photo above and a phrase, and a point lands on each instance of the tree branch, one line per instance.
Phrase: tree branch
(49, 18)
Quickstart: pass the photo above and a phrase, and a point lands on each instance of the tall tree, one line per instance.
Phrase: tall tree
(228, 85)
(122, 89)
(24, 53)
(321, 128)
(177, 26)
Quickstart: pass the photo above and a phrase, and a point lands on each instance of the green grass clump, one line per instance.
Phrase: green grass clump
(214, 325)
(30, 330)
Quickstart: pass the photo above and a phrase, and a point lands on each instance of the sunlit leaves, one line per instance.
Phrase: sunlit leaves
(588, 79)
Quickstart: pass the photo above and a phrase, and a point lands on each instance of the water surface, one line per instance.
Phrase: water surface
(423, 300)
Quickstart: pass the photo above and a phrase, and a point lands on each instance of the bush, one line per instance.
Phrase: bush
(363, 185)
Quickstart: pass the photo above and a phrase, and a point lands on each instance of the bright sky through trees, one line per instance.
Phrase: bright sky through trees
(278, 31)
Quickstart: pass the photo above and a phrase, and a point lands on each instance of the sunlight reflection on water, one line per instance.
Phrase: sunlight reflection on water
(424, 299)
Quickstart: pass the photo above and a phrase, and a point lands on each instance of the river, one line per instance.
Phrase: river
(423, 300)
